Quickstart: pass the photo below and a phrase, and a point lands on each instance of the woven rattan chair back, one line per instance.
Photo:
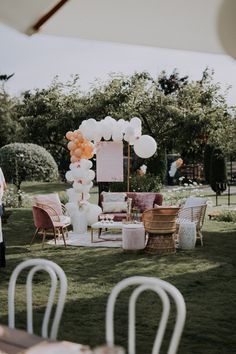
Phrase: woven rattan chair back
(160, 220)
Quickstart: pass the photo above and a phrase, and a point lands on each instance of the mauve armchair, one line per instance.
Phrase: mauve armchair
(45, 225)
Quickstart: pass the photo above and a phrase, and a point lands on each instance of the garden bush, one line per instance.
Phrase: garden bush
(227, 216)
(145, 183)
(11, 198)
(218, 176)
(27, 162)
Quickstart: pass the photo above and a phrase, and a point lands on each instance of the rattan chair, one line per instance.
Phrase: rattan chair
(160, 225)
(194, 214)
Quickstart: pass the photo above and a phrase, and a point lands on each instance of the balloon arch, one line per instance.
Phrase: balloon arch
(82, 148)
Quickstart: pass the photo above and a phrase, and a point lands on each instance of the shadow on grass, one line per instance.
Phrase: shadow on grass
(205, 277)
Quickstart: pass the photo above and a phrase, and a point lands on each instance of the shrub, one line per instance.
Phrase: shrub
(27, 162)
(145, 183)
(227, 216)
(11, 198)
(218, 174)
(157, 165)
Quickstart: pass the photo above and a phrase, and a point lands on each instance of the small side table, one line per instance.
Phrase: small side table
(133, 237)
(187, 235)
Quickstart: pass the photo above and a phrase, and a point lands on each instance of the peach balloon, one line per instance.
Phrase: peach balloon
(69, 135)
(73, 159)
(71, 145)
(78, 152)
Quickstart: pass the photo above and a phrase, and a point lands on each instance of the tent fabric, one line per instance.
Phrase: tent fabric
(176, 24)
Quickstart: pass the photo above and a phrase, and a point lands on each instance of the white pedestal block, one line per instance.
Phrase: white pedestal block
(187, 235)
(79, 222)
(133, 237)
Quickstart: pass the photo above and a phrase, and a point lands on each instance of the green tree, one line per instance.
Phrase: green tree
(47, 114)
(207, 161)
(27, 162)
(10, 129)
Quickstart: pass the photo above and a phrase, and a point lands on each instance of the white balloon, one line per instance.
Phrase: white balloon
(73, 165)
(91, 122)
(69, 176)
(122, 124)
(85, 164)
(87, 187)
(145, 146)
(71, 208)
(78, 173)
(73, 196)
(132, 140)
(107, 131)
(110, 120)
(92, 214)
(117, 136)
(126, 137)
(78, 187)
(90, 175)
(130, 131)
(86, 196)
(136, 122)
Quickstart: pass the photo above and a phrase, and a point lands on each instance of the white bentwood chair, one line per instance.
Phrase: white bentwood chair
(56, 273)
(163, 289)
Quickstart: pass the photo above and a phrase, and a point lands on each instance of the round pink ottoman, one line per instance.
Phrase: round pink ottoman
(133, 237)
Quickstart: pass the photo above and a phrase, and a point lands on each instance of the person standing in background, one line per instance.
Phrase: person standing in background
(2, 245)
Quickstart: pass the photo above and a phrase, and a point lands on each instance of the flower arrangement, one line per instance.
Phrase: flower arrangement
(15, 199)
(178, 195)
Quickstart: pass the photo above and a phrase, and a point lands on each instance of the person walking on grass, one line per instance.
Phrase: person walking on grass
(2, 245)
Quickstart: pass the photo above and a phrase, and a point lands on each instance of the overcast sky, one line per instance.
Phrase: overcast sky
(37, 59)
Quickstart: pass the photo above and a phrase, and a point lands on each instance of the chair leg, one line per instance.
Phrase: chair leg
(55, 237)
(200, 236)
(63, 236)
(44, 235)
(35, 234)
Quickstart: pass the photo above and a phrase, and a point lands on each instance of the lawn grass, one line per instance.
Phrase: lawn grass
(205, 276)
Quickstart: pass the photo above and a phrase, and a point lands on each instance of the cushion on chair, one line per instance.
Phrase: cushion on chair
(114, 207)
(194, 201)
(51, 200)
(113, 197)
(144, 201)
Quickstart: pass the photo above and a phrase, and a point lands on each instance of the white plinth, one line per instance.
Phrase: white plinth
(79, 222)
(133, 237)
(187, 235)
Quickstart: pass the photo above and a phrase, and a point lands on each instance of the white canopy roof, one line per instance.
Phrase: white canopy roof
(198, 25)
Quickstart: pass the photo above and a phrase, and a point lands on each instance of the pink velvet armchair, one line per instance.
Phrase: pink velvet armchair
(140, 200)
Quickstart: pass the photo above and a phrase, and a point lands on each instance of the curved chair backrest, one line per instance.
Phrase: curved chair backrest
(41, 218)
(195, 213)
(160, 220)
(56, 273)
(162, 288)
(52, 200)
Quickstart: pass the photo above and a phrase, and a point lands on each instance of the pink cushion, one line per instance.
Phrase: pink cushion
(144, 201)
(51, 200)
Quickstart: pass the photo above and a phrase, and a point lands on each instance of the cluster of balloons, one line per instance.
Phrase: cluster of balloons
(82, 149)
(80, 210)
(79, 146)
(130, 131)
(174, 166)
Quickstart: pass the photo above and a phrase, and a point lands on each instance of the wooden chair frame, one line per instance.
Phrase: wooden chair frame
(58, 229)
(194, 214)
